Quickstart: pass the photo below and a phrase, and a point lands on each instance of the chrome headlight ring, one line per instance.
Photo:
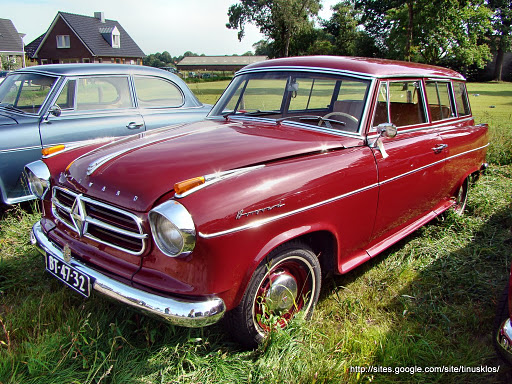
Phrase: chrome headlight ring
(173, 229)
(38, 177)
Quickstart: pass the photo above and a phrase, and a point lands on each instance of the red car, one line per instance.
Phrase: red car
(305, 165)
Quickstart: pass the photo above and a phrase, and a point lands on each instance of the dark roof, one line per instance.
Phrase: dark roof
(359, 65)
(89, 30)
(31, 47)
(10, 40)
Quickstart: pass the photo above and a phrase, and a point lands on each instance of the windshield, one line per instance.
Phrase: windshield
(330, 101)
(25, 92)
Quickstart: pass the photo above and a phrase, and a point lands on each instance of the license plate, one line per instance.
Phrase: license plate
(72, 277)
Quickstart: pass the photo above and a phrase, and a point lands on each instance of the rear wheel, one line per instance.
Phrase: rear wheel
(461, 197)
(286, 283)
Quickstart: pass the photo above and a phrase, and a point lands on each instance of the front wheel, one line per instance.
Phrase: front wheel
(287, 282)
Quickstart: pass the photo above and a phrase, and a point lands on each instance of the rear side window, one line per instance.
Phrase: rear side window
(461, 98)
(401, 102)
(439, 101)
(101, 93)
(154, 92)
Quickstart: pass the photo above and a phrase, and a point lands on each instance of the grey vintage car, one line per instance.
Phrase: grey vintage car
(68, 104)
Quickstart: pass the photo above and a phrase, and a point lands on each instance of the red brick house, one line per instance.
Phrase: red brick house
(83, 39)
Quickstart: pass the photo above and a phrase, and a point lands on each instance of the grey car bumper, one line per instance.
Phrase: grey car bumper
(186, 313)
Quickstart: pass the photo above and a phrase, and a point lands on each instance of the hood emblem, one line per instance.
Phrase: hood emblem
(78, 216)
(242, 214)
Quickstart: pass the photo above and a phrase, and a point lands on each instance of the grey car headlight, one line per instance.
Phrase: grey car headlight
(173, 229)
(38, 176)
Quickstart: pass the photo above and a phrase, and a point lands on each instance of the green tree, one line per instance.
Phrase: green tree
(342, 28)
(278, 20)
(502, 32)
(432, 31)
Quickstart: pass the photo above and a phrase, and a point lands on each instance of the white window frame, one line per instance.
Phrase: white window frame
(63, 41)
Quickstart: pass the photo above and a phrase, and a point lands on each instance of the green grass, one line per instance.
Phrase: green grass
(429, 301)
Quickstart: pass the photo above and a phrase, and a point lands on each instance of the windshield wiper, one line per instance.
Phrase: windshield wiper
(11, 107)
(253, 113)
(261, 113)
(312, 118)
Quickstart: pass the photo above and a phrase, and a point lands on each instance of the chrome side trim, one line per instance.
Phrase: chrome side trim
(178, 311)
(373, 132)
(432, 164)
(20, 149)
(261, 222)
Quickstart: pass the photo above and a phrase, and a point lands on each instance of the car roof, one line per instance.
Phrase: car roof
(358, 65)
(95, 69)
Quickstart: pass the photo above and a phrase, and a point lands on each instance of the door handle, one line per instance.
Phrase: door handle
(134, 125)
(439, 148)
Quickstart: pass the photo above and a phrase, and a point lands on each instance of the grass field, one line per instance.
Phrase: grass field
(429, 301)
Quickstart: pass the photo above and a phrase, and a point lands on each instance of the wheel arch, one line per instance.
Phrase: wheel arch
(322, 240)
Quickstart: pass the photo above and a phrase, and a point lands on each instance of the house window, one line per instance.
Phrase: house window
(86, 60)
(116, 40)
(63, 41)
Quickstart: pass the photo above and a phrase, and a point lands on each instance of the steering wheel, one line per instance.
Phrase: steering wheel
(348, 116)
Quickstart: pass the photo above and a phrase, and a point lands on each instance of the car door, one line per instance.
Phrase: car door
(162, 102)
(410, 165)
(92, 106)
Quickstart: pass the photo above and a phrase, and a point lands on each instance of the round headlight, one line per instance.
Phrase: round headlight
(38, 177)
(173, 229)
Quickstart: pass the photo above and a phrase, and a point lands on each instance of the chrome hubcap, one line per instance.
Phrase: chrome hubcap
(282, 293)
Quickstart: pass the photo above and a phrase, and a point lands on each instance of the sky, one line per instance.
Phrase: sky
(175, 26)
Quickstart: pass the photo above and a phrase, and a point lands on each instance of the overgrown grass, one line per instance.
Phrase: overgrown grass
(429, 301)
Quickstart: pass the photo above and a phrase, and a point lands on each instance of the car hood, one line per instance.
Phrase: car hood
(135, 172)
(6, 120)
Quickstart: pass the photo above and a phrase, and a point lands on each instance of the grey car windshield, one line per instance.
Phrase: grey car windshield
(331, 101)
(25, 93)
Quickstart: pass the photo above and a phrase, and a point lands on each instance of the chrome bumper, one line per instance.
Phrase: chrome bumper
(185, 313)
(504, 336)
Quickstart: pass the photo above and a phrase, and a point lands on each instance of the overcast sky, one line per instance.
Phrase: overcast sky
(175, 26)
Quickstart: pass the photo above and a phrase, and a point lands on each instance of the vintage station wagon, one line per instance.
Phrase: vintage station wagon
(305, 165)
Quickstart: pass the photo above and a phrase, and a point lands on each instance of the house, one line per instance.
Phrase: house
(217, 63)
(11, 46)
(75, 38)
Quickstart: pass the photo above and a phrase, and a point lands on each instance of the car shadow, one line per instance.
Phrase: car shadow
(447, 311)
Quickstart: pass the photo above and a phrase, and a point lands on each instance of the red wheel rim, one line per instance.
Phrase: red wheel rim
(293, 272)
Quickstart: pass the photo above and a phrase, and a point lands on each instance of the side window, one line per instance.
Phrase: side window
(154, 92)
(103, 92)
(66, 99)
(311, 93)
(461, 98)
(381, 109)
(406, 103)
(439, 101)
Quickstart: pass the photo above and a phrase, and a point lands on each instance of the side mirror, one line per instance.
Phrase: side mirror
(387, 130)
(384, 130)
(55, 110)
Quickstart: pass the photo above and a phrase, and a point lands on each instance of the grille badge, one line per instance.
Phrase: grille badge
(78, 216)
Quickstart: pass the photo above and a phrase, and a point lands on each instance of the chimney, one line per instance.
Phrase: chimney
(100, 16)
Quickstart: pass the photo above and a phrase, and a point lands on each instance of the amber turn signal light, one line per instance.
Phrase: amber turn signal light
(184, 186)
(51, 150)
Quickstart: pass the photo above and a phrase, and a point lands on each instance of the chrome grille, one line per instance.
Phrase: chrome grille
(98, 221)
